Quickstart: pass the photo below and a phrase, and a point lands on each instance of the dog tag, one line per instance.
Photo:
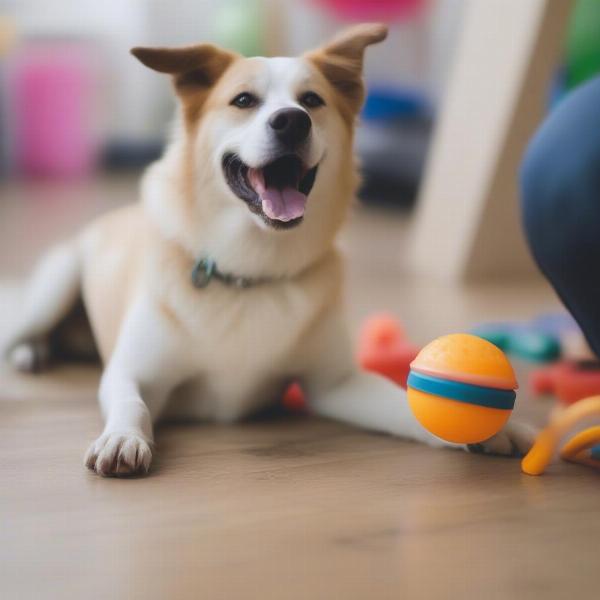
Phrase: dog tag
(203, 272)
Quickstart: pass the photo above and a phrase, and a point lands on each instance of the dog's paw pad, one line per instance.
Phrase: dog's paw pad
(29, 357)
(118, 454)
(514, 440)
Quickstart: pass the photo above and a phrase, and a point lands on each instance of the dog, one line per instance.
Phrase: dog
(223, 284)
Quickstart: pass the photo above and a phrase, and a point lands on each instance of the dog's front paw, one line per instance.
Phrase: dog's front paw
(514, 440)
(119, 454)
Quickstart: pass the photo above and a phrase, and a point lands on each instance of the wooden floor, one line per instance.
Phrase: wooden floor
(286, 507)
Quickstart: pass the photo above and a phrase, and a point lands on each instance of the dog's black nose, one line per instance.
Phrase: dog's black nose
(290, 125)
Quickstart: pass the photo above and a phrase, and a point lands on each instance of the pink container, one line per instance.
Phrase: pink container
(374, 10)
(53, 114)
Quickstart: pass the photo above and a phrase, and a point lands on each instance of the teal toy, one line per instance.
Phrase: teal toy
(531, 346)
(521, 342)
(539, 340)
(543, 339)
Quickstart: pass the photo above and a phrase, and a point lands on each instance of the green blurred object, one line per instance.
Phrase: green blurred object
(534, 347)
(239, 26)
(518, 341)
(583, 42)
(498, 337)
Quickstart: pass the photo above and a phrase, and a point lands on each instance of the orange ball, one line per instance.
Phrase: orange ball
(461, 388)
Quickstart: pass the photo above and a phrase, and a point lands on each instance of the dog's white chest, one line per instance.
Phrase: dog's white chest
(252, 329)
(240, 345)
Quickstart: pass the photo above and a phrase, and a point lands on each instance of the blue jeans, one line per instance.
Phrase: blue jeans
(560, 192)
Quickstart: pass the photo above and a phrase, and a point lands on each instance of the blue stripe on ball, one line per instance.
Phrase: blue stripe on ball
(595, 452)
(463, 392)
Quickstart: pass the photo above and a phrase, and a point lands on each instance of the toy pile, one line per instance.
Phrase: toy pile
(463, 398)
(568, 372)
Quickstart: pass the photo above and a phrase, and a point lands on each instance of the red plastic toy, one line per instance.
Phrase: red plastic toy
(293, 398)
(569, 381)
(382, 348)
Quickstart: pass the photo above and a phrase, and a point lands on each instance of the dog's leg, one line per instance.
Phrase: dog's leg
(369, 401)
(124, 447)
(52, 292)
(338, 390)
(133, 392)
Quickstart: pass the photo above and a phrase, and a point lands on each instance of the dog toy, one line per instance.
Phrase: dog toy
(569, 381)
(461, 388)
(542, 339)
(293, 398)
(521, 341)
(384, 349)
(582, 448)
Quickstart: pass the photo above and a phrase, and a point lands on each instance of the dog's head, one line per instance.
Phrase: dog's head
(270, 127)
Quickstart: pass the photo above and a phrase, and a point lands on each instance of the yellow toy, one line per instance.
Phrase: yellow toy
(583, 447)
(461, 388)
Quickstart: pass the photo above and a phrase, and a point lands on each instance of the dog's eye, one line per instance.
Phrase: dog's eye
(245, 100)
(311, 100)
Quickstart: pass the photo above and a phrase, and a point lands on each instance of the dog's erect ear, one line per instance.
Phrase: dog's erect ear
(193, 68)
(351, 42)
(341, 61)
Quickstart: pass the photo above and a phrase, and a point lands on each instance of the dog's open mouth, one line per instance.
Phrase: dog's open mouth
(277, 191)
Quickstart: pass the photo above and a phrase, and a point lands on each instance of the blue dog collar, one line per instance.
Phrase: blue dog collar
(463, 392)
(205, 270)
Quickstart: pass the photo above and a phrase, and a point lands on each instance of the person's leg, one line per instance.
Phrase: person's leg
(560, 190)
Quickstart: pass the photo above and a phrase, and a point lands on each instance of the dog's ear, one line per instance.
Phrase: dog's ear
(341, 61)
(194, 69)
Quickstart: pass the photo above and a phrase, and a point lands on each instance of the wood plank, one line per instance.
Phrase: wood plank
(467, 224)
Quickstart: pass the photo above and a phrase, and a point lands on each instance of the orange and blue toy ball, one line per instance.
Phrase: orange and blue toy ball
(462, 388)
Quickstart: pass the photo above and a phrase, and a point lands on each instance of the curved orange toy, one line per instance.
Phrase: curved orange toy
(461, 388)
(581, 448)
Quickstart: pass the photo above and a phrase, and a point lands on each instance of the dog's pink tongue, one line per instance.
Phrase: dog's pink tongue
(282, 205)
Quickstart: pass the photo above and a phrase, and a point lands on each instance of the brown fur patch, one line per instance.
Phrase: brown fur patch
(195, 70)
(116, 247)
(349, 89)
